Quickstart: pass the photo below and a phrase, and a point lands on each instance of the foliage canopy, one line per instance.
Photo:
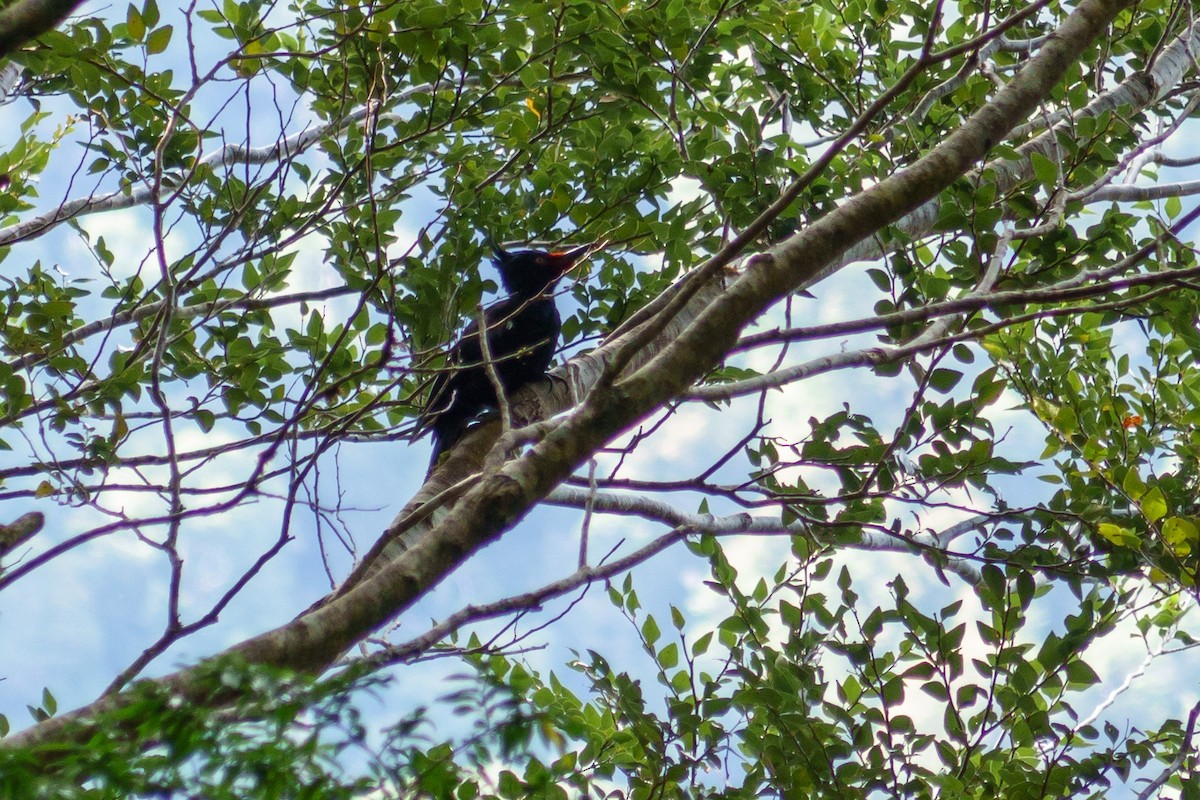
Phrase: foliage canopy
(934, 501)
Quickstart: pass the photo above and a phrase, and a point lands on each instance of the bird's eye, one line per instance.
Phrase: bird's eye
(540, 261)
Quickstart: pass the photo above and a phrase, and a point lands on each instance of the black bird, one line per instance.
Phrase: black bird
(522, 334)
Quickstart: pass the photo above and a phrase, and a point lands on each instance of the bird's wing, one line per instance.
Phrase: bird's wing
(465, 353)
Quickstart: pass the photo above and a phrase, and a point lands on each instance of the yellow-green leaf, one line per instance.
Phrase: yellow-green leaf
(1132, 484)
(1181, 534)
(1122, 537)
(134, 23)
(158, 40)
(1154, 505)
(1065, 420)
(150, 13)
(120, 428)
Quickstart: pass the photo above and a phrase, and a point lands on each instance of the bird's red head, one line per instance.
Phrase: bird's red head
(531, 272)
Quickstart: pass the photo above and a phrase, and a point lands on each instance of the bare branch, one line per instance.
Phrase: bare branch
(649, 508)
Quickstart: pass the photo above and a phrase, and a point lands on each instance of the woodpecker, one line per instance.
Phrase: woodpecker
(522, 333)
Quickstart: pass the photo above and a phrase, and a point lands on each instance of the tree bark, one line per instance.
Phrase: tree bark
(26, 20)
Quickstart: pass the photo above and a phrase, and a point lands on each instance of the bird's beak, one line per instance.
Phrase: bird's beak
(573, 255)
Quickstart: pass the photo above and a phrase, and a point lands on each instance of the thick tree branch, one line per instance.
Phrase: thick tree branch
(20, 530)
(567, 385)
(26, 20)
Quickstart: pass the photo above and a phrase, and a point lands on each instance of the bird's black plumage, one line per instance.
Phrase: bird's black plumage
(522, 333)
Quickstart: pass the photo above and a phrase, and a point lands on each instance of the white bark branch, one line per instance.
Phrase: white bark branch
(744, 523)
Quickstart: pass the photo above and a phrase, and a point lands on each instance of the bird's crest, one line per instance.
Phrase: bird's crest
(502, 256)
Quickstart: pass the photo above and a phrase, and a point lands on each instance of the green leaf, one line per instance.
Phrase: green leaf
(943, 380)
(1080, 675)
(158, 40)
(650, 631)
(668, 657)
(677, 618)
(1174, 206)
(1045, 170)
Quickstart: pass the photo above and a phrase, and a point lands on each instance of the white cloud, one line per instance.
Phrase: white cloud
(684, 190)
(128, 235)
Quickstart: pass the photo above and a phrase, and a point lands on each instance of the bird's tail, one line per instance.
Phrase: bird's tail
(446, 434)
